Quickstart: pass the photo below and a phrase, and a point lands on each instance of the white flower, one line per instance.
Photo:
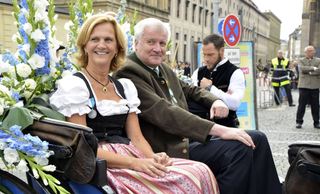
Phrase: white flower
(30, 84)
(3, 145)
(22, 166)
(45, 181)
(11, 155)
(125, 27)
(23, 70)
(55, 17)
(35, 173)
(12, 72)
(26, 48)
(2, 165)
(54, 29)
(49, 168)
(27, 27)
(1, 112)
(37, 35)
(41, 160)
(5, 90)
(4, 67)
(27, 94)
(15, 37)
(53, 70)
(40, 5)
(36, 61)
(25, 12)
(40, 16)
(68, 25)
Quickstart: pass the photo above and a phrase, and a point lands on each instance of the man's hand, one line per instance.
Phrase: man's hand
(229, 133)
(205, 83)
(219, 109)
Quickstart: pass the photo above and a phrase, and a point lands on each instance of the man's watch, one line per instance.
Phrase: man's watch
(208, 87)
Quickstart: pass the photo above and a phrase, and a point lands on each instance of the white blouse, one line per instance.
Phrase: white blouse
(72, 97)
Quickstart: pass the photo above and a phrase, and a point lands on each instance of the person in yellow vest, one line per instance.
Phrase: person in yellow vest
(280, 78)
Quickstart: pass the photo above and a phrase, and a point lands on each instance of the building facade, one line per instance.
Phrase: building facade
(274, 42)
(190, 21)
(310, 28)
(294, 45)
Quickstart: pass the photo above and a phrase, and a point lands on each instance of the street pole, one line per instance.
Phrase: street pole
(216, 4)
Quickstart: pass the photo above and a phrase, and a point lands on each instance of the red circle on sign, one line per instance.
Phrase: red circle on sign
(231, 30)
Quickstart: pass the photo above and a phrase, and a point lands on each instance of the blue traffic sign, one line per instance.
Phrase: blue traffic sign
(220, 27)
(231, 30)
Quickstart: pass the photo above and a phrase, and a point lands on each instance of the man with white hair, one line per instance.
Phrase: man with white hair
(309, 84)
(241, 160)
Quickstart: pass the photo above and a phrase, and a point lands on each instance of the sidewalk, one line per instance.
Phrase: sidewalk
(278, 123)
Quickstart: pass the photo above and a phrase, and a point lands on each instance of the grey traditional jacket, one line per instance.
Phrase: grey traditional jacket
(309, 78)
(166, 124)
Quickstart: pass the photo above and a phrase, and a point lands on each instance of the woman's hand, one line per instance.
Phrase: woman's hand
(149, 166)
(162, 158)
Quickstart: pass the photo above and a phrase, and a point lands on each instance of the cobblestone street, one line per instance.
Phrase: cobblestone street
(279, 125)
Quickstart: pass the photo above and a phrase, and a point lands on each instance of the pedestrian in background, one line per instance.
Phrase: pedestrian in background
(309, 84)
(280, 78)
(186, 69)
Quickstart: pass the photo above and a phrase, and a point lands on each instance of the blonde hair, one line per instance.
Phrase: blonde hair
(86, 31)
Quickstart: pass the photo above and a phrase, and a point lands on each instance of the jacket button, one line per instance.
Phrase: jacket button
(184, 150)
(163, 82)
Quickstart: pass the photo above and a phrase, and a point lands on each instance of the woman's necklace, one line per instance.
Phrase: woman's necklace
(104, 86)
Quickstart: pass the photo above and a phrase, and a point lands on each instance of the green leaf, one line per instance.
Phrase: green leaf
(18, 116)
(49, 112)
(62, 190)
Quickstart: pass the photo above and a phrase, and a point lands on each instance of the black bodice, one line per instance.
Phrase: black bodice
(107, 128)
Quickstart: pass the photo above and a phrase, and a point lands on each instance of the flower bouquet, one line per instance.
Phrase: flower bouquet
(26, 79)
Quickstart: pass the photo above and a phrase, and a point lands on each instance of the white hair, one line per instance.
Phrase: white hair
(308, 48)
(150, 22)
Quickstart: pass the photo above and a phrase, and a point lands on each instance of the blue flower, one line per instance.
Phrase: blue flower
(8, 57)
(16, 131)
(15, 95)
(4, 135)
(24, 4)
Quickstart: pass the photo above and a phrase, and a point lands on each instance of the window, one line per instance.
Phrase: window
(200, 14)
(185, 37)
(186, 10)
(193, 12)
(184, 51)
(206, 18)
(177, 53)
(178, 8)
(177, 36)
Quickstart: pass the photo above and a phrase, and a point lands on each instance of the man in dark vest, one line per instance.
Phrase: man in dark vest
(220, 77)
